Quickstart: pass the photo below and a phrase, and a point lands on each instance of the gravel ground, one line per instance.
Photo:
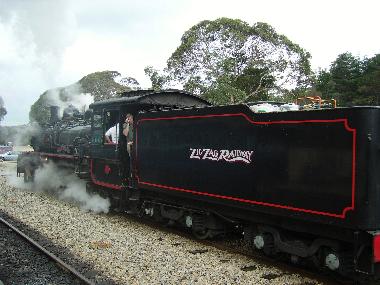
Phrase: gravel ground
(20, 263)
(129, 252)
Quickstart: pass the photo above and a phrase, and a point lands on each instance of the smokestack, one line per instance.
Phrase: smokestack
(54, 114)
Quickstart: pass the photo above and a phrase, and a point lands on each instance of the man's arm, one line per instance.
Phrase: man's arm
(125, 129)
(107, 139)
(107, 136)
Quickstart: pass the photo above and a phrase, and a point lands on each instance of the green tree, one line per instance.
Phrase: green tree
(255, 82)
(224, 94)
(369, 84)
(252, 85)
(253, 59)
(102, 85)
(158, 80)
(351, 80)
(39, 111)
(325, 85)
(346, 71)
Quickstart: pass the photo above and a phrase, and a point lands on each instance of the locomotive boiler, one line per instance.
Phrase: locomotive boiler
(64, 141)
(64, 135)
(303, 184)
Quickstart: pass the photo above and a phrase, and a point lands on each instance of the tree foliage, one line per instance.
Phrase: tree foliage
(232, 56)
(351, 80)
(369, 83)
(224, 93)
(102, 85)
(39, 111)
(158, 80)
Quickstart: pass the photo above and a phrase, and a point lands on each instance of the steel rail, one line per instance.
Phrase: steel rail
(47, 253)
(219, 244)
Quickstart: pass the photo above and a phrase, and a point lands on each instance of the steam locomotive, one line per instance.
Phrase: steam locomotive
(303, 184)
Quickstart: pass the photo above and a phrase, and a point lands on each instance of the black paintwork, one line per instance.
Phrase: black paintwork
(154, 98)
(302, 164)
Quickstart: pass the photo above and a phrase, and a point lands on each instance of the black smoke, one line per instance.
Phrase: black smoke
(3, 111)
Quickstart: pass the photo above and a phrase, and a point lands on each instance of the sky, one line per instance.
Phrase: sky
(53, 43)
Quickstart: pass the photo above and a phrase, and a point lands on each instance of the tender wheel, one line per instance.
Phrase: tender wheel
(332, 261)
(203, 234)
(249, 234)
(269, 248)
(157, 217)
(340, 262)
(265, 242)
(199, 228)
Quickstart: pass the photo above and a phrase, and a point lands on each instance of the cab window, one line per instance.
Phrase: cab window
(112, 127)
(97, 129)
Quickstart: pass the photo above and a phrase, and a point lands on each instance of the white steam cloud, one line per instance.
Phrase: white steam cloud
(64, 185)
(41, 31)
(73, 96)
(34, 36)
(23, 134)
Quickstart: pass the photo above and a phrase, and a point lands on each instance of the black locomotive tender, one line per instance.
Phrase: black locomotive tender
(302, 183)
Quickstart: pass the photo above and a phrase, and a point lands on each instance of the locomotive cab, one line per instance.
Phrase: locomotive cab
(111, 164)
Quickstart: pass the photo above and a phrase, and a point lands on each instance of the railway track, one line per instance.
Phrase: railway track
(282, 264)
(75, 277)
(235, 245)
(231, 245)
